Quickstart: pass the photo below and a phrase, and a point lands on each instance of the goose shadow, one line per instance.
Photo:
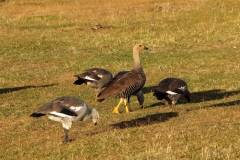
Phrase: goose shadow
(148, 89)
(202, 96)
(147, 120)
(225, 104)
(9, 90)
(209, 95)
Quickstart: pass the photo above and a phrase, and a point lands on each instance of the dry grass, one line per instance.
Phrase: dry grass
(44, 43)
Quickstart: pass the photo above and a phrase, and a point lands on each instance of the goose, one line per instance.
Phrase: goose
(127, 84)
(171, 89)
(67, 110)
(139, 94)
(96, 78)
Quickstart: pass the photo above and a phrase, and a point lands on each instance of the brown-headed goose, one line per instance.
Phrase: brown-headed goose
(67, 110)
(127, 84)
(96, 78)
(139, 94)
(171, 89)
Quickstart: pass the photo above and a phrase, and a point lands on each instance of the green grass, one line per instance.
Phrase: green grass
(44, 43)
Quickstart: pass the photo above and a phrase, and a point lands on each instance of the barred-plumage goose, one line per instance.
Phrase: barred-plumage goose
(127, 84)
(67, 110)
(171, 89)
(139, 94)
(96, 78)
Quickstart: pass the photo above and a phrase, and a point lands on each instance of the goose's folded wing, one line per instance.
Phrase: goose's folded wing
(119, 85)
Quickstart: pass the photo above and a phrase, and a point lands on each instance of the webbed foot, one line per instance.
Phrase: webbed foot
(115, 111)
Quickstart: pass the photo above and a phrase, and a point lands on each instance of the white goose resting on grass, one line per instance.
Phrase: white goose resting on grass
(67, 110)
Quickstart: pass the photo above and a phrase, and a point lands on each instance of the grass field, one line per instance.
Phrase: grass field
(44, 43)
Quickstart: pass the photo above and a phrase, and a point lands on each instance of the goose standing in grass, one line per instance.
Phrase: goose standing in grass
(139, 94)
(171, 89)
(127, 84)
(96, 78)
(67, 110)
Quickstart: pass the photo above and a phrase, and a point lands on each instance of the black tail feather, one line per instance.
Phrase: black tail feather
(37, 115)
(79, 82)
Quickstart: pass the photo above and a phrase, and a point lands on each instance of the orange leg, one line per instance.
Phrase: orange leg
(116, 108)
(127, 105)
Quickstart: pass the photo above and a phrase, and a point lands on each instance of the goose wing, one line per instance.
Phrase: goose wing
(172, 85)
(67, 105)
(76, 106)
(121, 84)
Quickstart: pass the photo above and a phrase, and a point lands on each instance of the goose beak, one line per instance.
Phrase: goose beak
(145, 48)
(95, 124)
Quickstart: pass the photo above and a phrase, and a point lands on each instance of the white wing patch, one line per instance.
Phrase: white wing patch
(170, 92)
(183, 88)
(100, 76)
(59, 114)
(75, 109)
(89, 78)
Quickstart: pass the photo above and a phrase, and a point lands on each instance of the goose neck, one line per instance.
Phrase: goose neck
(137, 64)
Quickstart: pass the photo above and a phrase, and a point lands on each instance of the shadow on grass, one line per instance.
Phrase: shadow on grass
(143, 121)
(202, 96)
(210, 95)
(225, 104)
(8, 90)
(148, 89)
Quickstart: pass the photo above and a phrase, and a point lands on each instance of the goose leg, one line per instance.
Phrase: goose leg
(172, 107)
(116, 108)
(97, 92)
(66, 127)
(167, 104)
(66, 139)
(173, 103)
(127, 105)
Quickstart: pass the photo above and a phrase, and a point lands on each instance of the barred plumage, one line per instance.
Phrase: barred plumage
(129, 91)
(139, 94)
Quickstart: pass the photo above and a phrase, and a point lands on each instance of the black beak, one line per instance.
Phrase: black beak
(145, 48)
(95, 124)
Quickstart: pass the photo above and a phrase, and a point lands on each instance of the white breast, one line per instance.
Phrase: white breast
(60, 117)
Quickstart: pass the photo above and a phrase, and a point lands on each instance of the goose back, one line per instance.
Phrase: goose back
(63, 105)
(96, 78)
(172, 88)
(124, 86)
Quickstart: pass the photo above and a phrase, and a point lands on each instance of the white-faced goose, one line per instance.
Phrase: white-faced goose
(171, 89)
(96, 78)
(139, 94)
(67, 110)
(127, 84)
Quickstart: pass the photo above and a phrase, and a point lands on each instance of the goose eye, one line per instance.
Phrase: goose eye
(140, 45)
